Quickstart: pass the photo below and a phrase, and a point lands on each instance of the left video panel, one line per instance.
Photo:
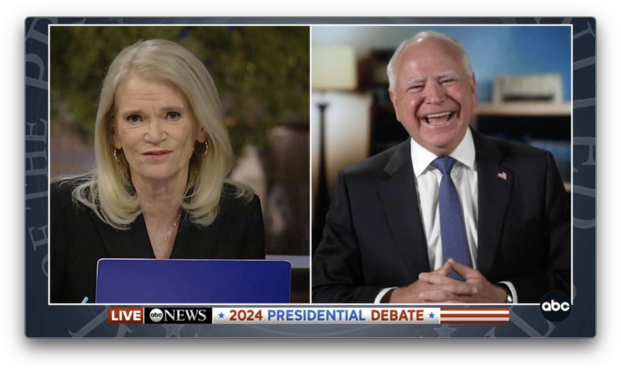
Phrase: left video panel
(178, 143)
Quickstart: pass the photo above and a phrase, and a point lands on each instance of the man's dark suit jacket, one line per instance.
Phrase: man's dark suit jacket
(374, 236)
(78, 239)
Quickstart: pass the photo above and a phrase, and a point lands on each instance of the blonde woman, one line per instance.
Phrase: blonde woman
(158, 189)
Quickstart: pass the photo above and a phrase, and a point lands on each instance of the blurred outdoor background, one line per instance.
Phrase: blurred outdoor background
(262, 75)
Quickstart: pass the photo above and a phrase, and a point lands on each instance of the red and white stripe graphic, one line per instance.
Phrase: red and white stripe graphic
(474, 315)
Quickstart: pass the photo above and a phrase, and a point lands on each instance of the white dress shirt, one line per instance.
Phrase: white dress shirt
(428, 178)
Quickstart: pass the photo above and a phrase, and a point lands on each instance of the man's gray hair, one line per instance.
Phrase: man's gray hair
(390, 69)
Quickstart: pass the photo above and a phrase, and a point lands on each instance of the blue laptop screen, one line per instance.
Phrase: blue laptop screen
(147, 281)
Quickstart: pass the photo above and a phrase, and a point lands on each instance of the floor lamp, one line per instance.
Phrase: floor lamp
(333, 69)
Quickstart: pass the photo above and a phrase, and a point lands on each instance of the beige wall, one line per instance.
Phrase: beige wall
(348, 128)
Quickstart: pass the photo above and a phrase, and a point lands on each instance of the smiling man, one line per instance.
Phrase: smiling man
(449, 215)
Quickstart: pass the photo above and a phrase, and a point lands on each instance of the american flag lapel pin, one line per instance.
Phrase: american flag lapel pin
(502, 175)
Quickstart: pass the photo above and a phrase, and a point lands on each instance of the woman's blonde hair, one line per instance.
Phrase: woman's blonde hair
(108, 190)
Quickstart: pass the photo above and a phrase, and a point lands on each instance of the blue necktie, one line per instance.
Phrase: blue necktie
(452, 228)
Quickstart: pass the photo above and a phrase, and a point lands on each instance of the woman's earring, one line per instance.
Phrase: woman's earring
(205, 152)
(115, 156)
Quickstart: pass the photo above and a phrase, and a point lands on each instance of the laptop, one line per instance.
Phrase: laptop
(178, 281)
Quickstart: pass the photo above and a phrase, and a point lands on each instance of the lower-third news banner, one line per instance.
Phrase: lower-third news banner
(422, 315)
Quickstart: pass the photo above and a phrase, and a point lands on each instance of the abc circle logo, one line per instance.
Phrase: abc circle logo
(555, 306)
(156, 315)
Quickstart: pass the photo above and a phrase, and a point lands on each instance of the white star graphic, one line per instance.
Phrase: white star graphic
(444, 331)
(173, 330)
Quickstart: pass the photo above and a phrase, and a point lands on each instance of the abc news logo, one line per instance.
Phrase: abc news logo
(555, 306)
(139, 315)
